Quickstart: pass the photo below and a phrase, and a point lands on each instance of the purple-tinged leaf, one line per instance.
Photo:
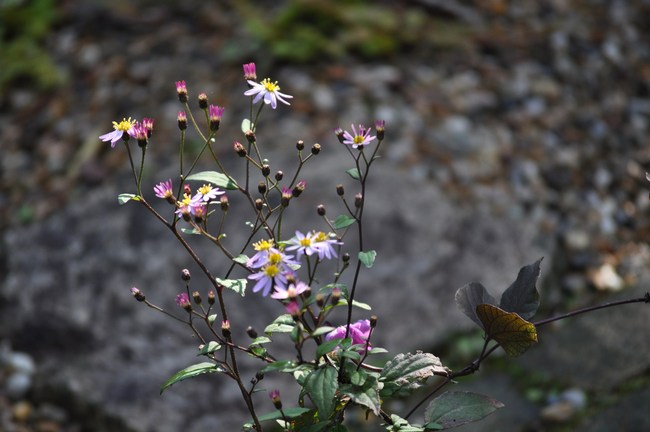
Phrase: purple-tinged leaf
(470, 296)
(522, 297)
(452, 409)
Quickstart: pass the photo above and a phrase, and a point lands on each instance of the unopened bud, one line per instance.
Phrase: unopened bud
(203, 100)
(259, 204)
(215, 113)
(240, 149)
(137, 294)
(339, 134)
(259, 376)
(346, 257)
(182, 120)
(279, 175)
(187, 189)
(266, 170)
(380, 126)
(315, 149)
(250, 136)
(299, 188)
(211, 298)
(275, 398)
(340, 190)
(250, 331)
(373, 321)
(225, 328)
(196, 297)
(321, 210)
(320, 300)
(286, 197)
(336, 296)
(181, 90)
(300, 144)
(261, 187)
(185, 275)
(223, 201)
(358, 200)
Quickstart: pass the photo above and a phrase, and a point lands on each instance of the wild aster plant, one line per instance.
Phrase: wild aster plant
(336, 367)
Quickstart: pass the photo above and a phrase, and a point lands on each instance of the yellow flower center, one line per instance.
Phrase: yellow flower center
(124, 125)
(275, 258)
(187, 199)
(306, 242)
(269, 86)
(263, 245)
(271, 270)
(205, 189)
(320, 237)
(358, 139)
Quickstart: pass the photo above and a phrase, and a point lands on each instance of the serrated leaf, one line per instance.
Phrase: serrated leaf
(407, 372)
(246, 125)
(367, 258)
(511, 331)
(366, 395)
(522, 297)
(343, 221)
(123, 198)
(216, 178)
(321, 385)
(241, 259)
(190, 372)
(282, 324)
(326, 347)
(237, 285)
(354, 173)
(470, 296)
(452, 409)
(322, 330)
(209, 348)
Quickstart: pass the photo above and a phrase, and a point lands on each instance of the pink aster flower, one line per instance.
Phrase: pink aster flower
(183, 300)
(269, 91)
(292, 291)
(139, 132)
(357, 139)
(250, 72)
(118, 132)
(164, 189)
(148, 124)
(359, 332)
(181, 90)
(214, 115)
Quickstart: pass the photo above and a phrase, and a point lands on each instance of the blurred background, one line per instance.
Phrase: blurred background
(514, 130)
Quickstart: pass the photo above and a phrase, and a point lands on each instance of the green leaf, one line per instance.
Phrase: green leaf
(260, 340)
(368, 258)
(190, 372)
(292, 412)
(246, 125)
(212, 318)
(366, 395)
(286, 366)
(377, 350)
(240, 259)
(401, 425)
(282, 324)
(126, 197)
(343, 221)
(321, 385)
(209, 348)
(512, 332)
(407, 372)
(214, 177)
(354, 173)
(322, 330)
(237, 285)
(522, 297)
(470, 296)
(190, 231)
(326, 347)
(452, 409)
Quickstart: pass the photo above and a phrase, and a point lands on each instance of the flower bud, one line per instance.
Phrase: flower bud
(240, 149)
(286, 197)
(300, 145)
(187, 189)
(266, 170)
(225, 328)
(185, 275)
(261, 187)
(293, 309)
(215, 113)
(299, 188)
(259, 204)
(137, 294)
(315, 149)
(259, 375)
(250, 136)
(339, 190)
(148, 124)
(275, 398)
(373, 321)
(250, 331)
(346, 257)
(380, 126)
(336, 296)
(249, 72)
(321, 210)
(358, 200)
(203, 101)
(196, 297)
(339, 134)
(183, 301)
(279, 175)
(211, 297)
(223, 200)
(181, 90)
(320, 300)
(182, 120)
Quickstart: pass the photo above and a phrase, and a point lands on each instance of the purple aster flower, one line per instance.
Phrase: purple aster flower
(263, 248)
(268, 90)
(140, 133)
(206, 193)
(183, 300)
(274, 271)
(359, 332)
(164, 190)
(118, 132)
(303, 244)
(292, 291)
(357, 139)
(148, 124)
(249, 72)
(324, 245)
(214, 115)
